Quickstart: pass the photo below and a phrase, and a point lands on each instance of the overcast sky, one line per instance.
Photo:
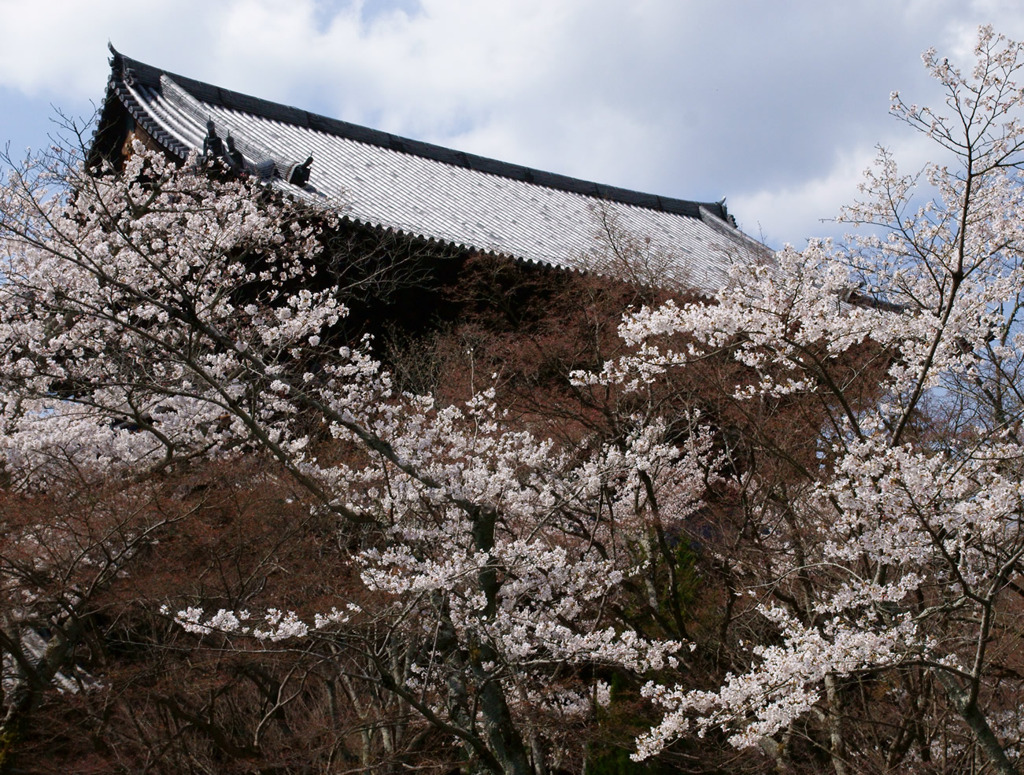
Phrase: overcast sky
(777, 105)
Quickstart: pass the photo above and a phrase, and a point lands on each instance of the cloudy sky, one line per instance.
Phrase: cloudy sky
(777, 105)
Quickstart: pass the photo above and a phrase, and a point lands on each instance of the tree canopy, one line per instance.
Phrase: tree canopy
(783, 523)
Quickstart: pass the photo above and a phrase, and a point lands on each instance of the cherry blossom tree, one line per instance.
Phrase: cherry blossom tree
(892, 556)
(170, 315)
(856, 481)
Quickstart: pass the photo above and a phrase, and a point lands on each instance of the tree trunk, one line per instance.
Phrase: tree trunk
(978, 724)
(13, 726)
(835, 733)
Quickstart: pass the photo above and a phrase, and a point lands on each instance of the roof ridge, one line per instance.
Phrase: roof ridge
(232, 100)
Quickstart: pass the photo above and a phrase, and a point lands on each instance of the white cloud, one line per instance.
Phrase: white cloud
(785, 214)
(58, 47)
(808, 209)
(768, 103)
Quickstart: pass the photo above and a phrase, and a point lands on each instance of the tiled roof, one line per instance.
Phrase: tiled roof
(433, 192)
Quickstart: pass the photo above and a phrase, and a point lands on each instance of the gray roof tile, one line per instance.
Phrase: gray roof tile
(437, 193)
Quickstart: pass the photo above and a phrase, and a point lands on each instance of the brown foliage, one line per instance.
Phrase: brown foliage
(238, 535)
